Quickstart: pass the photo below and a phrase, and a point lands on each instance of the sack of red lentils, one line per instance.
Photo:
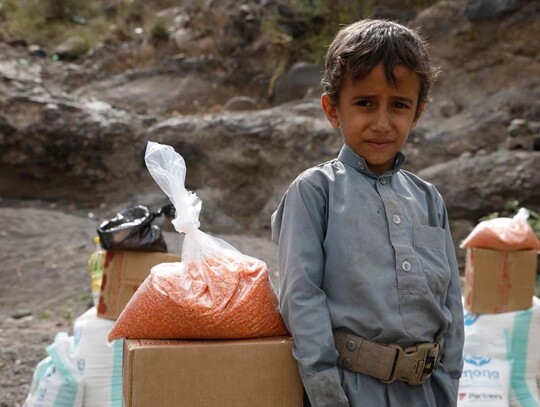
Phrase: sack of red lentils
(215, 292)
(504, 234)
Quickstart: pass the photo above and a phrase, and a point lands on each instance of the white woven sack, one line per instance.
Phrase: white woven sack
(485, 382)
(102, 362)
(511, 336)
(57, 380)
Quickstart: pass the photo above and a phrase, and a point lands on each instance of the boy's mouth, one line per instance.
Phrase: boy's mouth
(378, 144)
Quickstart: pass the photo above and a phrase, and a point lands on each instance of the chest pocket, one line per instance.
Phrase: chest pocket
(430, 244)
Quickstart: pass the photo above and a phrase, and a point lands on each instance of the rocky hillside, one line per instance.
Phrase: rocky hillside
(224, 85)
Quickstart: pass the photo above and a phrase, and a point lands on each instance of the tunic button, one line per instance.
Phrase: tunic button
(382, 181)
(347, 363)
(351, 346)
(396, 219)
(406, 266)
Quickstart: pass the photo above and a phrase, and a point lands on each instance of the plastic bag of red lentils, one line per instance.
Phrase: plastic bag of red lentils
(504, 234)
(215, 292)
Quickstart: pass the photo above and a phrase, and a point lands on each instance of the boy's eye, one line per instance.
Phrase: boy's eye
(401, 105)
(363, 103)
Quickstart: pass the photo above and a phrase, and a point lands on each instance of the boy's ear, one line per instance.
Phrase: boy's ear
(330, 110)
(419, 111)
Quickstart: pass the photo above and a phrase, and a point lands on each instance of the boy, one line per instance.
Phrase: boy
(370, 286)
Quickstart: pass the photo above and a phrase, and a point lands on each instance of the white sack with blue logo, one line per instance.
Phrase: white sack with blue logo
(514, 337)
(102, 362)
(57, 380)
(485, 382)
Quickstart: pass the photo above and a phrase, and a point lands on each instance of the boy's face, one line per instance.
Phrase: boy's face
(375, 116)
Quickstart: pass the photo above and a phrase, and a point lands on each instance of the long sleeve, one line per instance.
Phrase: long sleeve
(298, 229)
(452, 357)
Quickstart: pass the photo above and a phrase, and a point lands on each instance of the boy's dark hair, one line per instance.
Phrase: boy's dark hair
(359, 47)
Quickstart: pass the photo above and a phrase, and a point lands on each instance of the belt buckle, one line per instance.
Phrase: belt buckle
(415, 364)
(433, 357)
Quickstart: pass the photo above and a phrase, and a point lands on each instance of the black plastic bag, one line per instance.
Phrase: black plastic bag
(132, 230)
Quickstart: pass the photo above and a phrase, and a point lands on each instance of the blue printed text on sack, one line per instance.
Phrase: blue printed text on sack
(481, 373)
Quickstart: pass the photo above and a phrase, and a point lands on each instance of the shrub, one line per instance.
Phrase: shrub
(159, 31)
(41, 21)
(317, 21)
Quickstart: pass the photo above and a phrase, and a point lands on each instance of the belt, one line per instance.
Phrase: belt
(387, 363)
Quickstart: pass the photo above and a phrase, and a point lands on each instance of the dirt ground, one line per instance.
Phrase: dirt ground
(44, 283)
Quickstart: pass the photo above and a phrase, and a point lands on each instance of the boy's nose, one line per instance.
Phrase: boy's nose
(381, 122)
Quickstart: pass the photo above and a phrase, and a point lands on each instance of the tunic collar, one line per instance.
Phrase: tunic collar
(349, 157)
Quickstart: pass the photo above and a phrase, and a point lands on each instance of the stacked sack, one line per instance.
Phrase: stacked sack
(80, 370)
(501, 358)
(57, 379)
(102, 374)
(502, 316)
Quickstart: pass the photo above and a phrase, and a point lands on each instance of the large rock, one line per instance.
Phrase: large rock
(478, 10)
(476, 186)
(237, 161)
(482, 128)
(75, 152)
(72, 48)
(161, 91)
(59, 148)
(301, 79)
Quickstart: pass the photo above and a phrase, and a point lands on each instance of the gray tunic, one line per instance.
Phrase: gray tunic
(371, 255)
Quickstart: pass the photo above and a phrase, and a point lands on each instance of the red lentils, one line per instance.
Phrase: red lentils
(502, 234)
(225, 298)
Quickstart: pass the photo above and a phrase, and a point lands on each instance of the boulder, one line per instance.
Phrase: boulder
(72, 48)
(239, 160)
(58, 148)
(476, 186)
(482, 10)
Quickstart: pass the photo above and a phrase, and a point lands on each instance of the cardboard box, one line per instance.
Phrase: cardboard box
(231, 373)
(123, 273)
(499, 281)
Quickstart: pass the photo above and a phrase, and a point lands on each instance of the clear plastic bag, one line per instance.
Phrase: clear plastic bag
(215, 292)
(504, 234)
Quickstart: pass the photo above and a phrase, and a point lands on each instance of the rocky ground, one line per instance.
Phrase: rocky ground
(44, 283)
